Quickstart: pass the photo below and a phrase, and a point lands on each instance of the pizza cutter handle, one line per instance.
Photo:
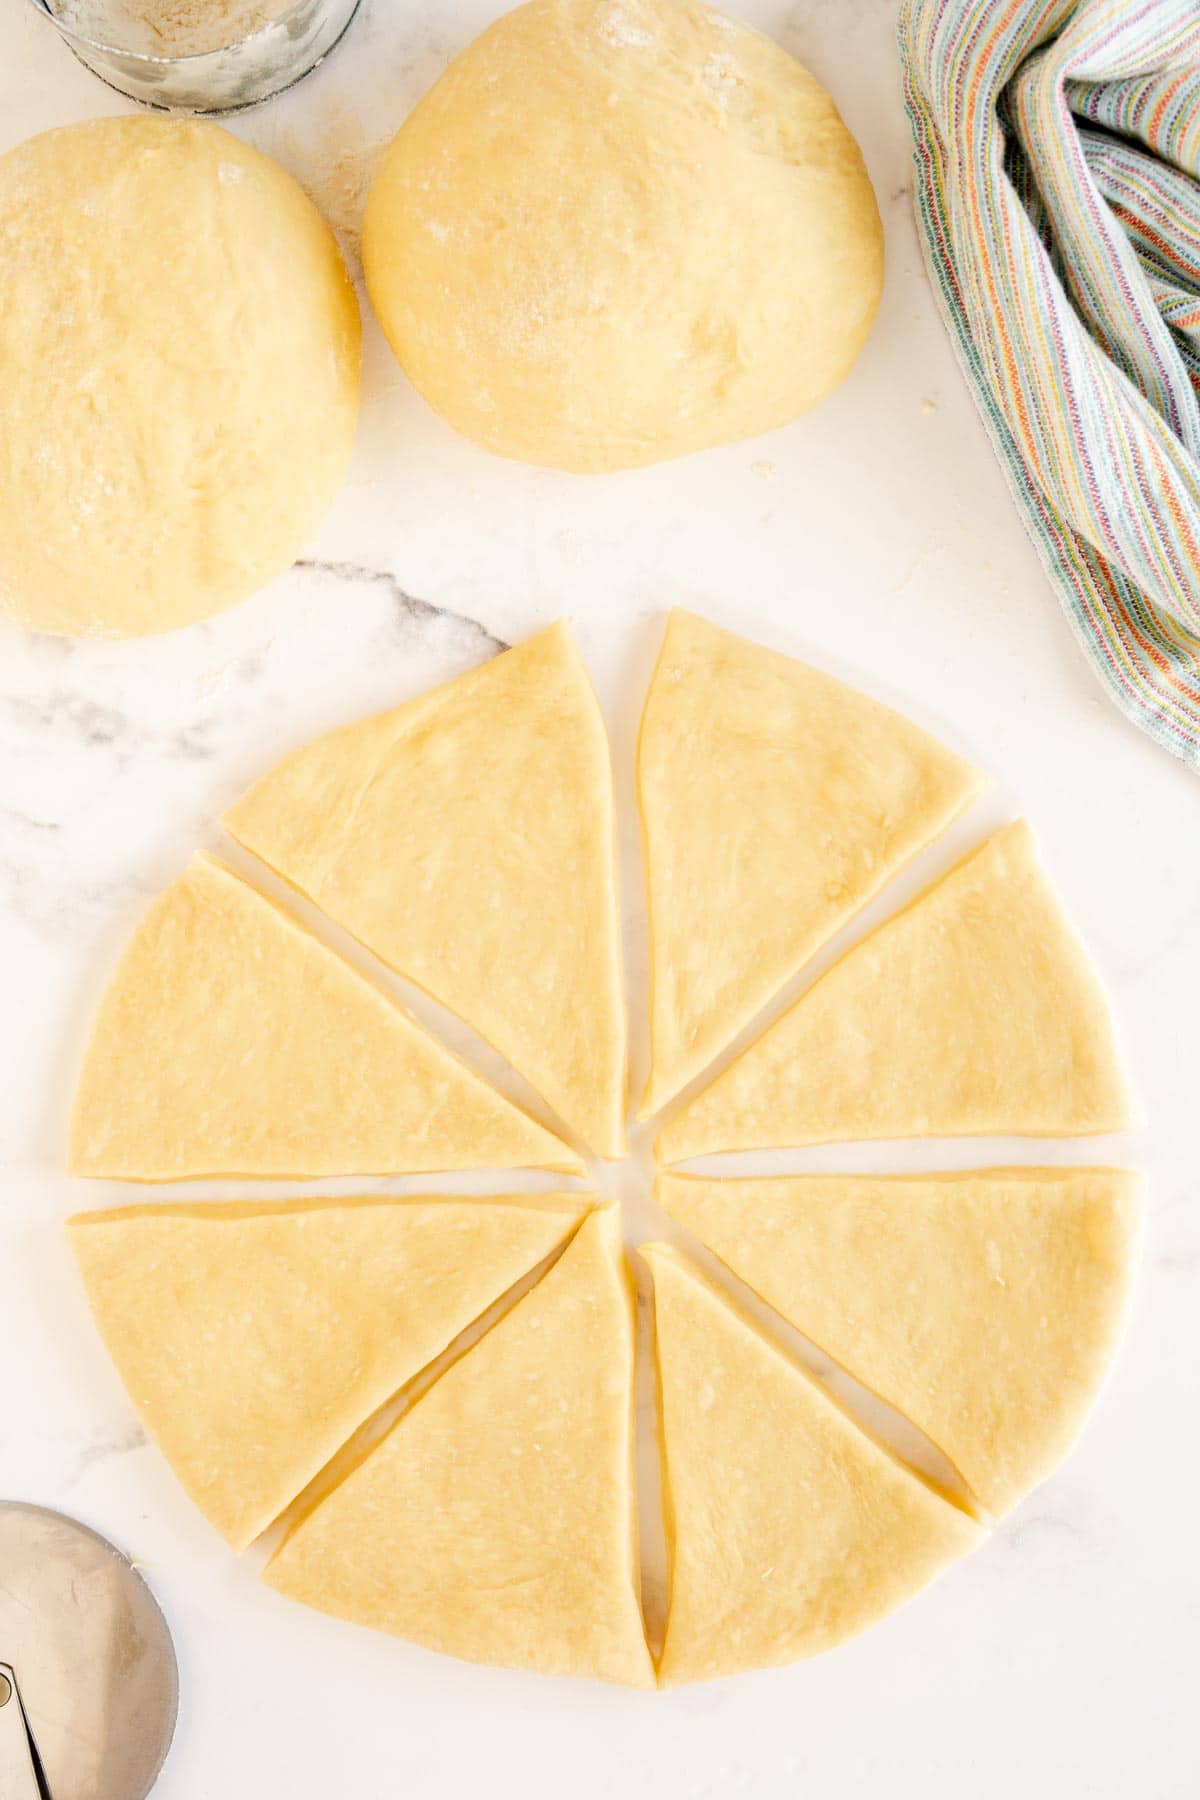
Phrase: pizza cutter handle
(21, 1776)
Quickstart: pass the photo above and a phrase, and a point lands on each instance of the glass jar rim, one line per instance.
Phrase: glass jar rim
(149, 57)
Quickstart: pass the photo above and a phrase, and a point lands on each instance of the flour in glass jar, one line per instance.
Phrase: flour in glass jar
(167, 27)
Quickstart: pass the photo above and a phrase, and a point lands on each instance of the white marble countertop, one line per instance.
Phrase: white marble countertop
(877, 538)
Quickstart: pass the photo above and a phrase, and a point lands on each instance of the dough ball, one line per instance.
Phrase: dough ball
(179, 363)
(617, 231)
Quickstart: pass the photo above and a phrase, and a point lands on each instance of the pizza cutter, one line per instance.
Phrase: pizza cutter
(89, 1688)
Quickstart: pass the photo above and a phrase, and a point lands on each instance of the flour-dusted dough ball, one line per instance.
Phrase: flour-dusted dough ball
(179, 366)
(617, 231)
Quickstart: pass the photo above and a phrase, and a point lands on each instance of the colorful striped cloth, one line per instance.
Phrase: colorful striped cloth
(1057, 149)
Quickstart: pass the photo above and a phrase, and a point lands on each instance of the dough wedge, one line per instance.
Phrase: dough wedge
(775, 803)
(255, 1338)
(790, 1529)
(984, 1306)
(232, 1042)
(973, 1012)
(496, 1521)
(467, 839)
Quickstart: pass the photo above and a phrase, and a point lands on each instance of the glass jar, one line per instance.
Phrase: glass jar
(237, 75)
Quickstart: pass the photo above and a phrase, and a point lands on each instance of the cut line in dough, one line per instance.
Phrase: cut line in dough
(496, 1520)
(790, 1529)
(985, 1306)
(775, 802)
(231, 1041)
(467, 839)
(972, 1012)
(255, 1339)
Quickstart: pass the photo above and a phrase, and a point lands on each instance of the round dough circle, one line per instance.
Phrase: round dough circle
(617, 231)
(179, 355)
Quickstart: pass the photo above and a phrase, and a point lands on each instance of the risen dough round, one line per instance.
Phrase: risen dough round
(179, 360)
(617, 231)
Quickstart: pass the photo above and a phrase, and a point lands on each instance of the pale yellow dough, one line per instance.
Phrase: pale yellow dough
(985, 1307)
(255, 1338)
(496, 1521)
(621, 230)
(775, 802)
(179, 360)
(467, 839)
(790, 1529)
(973, 1012)
(232, 1042)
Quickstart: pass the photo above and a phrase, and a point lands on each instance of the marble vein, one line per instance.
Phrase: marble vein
(103, 1448)
(408, 606)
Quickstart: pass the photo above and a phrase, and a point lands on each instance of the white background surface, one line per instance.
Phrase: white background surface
(875, 537)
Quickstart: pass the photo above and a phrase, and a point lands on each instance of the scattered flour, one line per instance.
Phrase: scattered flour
(335, 162)
(168, 27)
(616, 27)
(722, 75)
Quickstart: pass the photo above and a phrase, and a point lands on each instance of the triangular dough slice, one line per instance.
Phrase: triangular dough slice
(790, 1529)
(986, 1307)
(775, 802)
(232, 1042)
(496, 1521)
(467, 839)
(974, 1012)
(254, 1339)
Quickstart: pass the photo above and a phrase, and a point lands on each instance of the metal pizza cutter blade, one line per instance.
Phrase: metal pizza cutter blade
(89, 1688)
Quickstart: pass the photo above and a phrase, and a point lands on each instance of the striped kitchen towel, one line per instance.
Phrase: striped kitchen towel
(1057, 151)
